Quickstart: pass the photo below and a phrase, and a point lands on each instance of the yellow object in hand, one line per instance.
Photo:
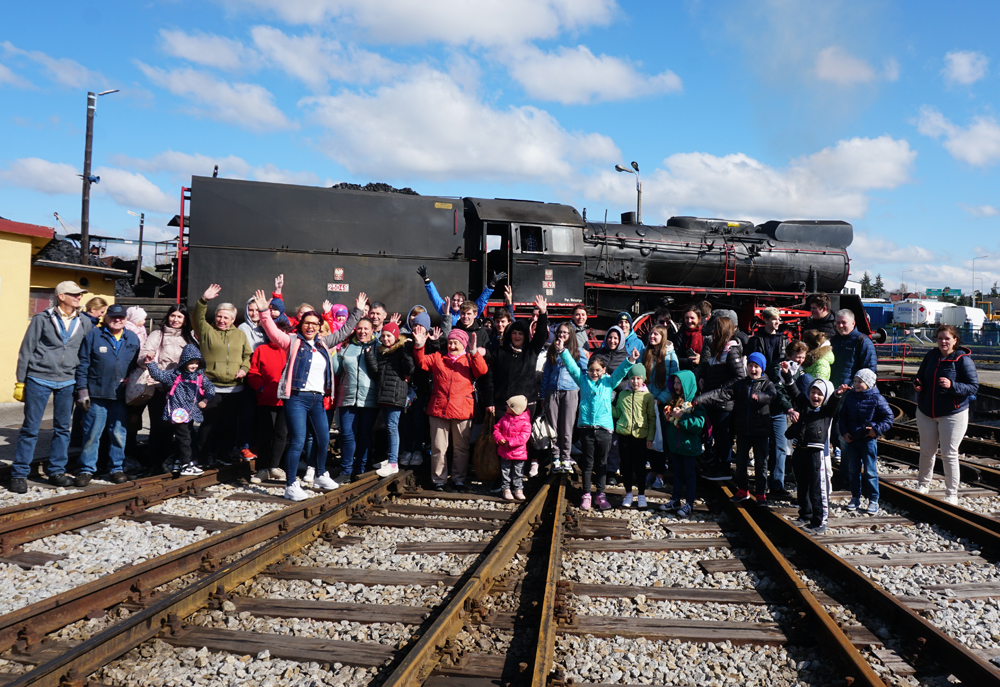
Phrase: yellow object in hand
(19, 392)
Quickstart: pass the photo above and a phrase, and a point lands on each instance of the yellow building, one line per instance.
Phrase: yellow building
(27, 286)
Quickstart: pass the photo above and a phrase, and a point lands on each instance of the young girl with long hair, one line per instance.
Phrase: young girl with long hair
(562, 395)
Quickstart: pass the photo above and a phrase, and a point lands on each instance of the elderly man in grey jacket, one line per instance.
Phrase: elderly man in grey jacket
(46, 365)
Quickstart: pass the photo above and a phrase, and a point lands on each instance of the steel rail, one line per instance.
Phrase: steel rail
(938, 645)
(71, 668)
(968, 472)
(987, 432)
(422, 658)
(859, 670)
(970, 445)
(982, 529)
(31, 520)
(547, 625)
(27, 626)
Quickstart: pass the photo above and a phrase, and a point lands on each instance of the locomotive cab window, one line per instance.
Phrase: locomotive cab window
(530, 239)
(559, 239)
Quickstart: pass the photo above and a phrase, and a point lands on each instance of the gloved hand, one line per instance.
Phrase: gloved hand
(496, 278)
(422, 271)
(19, 392)
(83, 398)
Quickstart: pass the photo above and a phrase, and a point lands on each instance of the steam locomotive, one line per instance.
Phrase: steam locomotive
(334, 243)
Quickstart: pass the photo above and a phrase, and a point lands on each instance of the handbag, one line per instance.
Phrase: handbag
(180, 416)
(542, 433)
(658, 438)
(485, 460)
(140, 386)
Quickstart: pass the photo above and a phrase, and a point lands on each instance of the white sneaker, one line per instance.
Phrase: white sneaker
(640, 502)
(533, 472)
(924, 488)
(952, 499)
(376, 466)
(310, 475)
(276, 474)
(627, 501)
(192, 469)
(324, 481)
(296, 493)
(387, 469)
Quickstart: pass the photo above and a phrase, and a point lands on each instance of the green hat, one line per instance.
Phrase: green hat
(638, 370)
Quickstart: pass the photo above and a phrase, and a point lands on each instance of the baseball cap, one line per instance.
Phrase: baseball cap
(115, 310)
(70, 287)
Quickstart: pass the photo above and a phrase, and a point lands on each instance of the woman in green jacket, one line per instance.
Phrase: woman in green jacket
(358, 396)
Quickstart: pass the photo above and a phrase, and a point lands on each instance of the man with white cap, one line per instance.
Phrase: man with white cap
(46, 365)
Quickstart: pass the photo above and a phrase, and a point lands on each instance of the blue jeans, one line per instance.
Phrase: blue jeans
(776, 452)
(722, 439)
(103, 413)
(304, 407)
(313, 447)
(857, 454)
(36, 397)
(356, 424)
(413, 426)
(391, 414)
(685, 477)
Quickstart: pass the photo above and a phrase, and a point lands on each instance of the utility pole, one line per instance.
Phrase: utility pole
(138, 264)
(87, 179)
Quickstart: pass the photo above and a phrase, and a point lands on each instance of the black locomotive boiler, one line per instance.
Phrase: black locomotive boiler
(333, 243)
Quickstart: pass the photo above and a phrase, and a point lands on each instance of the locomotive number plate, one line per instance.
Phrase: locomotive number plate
(338, 287)
(548, 285)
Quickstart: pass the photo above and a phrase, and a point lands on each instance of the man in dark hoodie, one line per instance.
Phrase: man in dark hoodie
(820, 317)
(770, 343)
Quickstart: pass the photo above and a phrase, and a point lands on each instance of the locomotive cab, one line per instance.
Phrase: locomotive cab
(539, 245)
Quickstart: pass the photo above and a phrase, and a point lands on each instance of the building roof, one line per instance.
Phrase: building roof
(10, 227)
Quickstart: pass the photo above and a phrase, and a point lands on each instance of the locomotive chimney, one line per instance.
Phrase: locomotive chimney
(628, 218)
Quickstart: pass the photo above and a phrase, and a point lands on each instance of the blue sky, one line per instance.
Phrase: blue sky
(879, 113)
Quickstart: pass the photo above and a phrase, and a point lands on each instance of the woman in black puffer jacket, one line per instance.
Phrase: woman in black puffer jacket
(720, 368)
(390, 365)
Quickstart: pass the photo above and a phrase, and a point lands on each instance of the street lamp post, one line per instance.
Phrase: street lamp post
(978, 257)
(87, 179)
(138, 262)
(638, 188)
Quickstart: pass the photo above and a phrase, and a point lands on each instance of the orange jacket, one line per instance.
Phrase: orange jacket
(453, 395)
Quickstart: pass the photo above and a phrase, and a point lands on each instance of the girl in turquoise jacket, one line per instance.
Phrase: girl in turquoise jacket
(682, 439)
(597, 391)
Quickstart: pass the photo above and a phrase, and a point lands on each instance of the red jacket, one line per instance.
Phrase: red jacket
(453, 395)
(516, 430)
(266, 365)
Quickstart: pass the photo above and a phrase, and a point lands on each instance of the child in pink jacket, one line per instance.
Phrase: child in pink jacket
(512, 433)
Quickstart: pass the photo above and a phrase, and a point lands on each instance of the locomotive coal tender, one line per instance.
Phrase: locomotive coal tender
(333, 243)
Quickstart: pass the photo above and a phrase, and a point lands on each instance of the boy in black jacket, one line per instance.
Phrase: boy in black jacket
(808, 436)
(751, 423)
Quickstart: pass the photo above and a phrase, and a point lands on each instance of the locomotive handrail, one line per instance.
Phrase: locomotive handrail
(891, 360)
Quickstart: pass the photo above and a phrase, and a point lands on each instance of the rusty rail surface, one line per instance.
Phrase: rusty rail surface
(859, 670)
(422, 658)
(547, 624)
(980, 528)
(315, 517)
(968, 471)
(31, 520)
(933, 642)
(26, 627)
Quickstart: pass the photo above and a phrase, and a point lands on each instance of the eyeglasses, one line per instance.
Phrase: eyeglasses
(74, 295)
(310, 324)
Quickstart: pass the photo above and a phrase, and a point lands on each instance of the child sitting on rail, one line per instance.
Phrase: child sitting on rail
(814, 411)
(597, 391)
(512, 432)
(190, 390)
(682, 440)
(864, 416)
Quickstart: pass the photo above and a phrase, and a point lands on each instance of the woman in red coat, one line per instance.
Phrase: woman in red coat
(452, 402)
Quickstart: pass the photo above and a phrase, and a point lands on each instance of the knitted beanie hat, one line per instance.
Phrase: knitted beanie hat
(867, 376)
(638, 370)
(517, 404)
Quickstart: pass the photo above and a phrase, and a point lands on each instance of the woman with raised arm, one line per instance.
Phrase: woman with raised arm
(306, 380)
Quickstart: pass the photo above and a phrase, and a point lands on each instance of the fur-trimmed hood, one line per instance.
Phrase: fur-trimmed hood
(817, 353)
(399, 343)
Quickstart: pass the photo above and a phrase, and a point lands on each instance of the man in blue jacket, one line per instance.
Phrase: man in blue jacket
(46, 365)
(852, 352)
(105, 357)
(454, 305)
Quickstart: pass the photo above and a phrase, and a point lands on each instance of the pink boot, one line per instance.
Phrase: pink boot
(602, 501)
(585, 502)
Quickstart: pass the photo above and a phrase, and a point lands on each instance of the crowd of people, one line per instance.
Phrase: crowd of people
(619, 408)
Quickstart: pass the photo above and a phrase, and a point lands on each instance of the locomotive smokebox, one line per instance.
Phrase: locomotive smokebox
(628, 218)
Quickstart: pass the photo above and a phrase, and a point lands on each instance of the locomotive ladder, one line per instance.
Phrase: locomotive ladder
(730, 265)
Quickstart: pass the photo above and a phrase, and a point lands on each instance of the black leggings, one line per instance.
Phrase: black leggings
(272, 435)
(633, 454)
(596, 443)
(217, 433)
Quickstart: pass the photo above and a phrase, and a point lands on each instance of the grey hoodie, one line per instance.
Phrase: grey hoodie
(255, 333)
(44, 354)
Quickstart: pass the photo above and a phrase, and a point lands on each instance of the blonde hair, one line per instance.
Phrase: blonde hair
(94, 303)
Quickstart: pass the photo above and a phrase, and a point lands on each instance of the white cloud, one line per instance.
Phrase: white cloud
(890, 69)
(133, 191)
(429, 125)
(836, 65)
(879, 249)
(977, 144)
(833, 183)
(41, 175)
(965, 67)
(315, 60)
(10, 78)
(981, 210)
(62, 70)
(208, 50)
(246, 105)
(576, 76)
(186, 165)
(483, 22)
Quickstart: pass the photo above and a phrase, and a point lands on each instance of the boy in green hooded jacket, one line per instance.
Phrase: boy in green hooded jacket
(635, 425)
(682, 439)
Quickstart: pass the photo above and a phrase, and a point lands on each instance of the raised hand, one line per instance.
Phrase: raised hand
(435, 333)
(419, 337)
(634, 356)
(785, 366)
(472, 341)
(212, 292)
(496, 278)
(327, 306)
(843, 389)
(362, 301)
(260, 298)
(396, 318)
(541, 303)
(508, 295)
(422, 271)
(560, 346)
(279, 282)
